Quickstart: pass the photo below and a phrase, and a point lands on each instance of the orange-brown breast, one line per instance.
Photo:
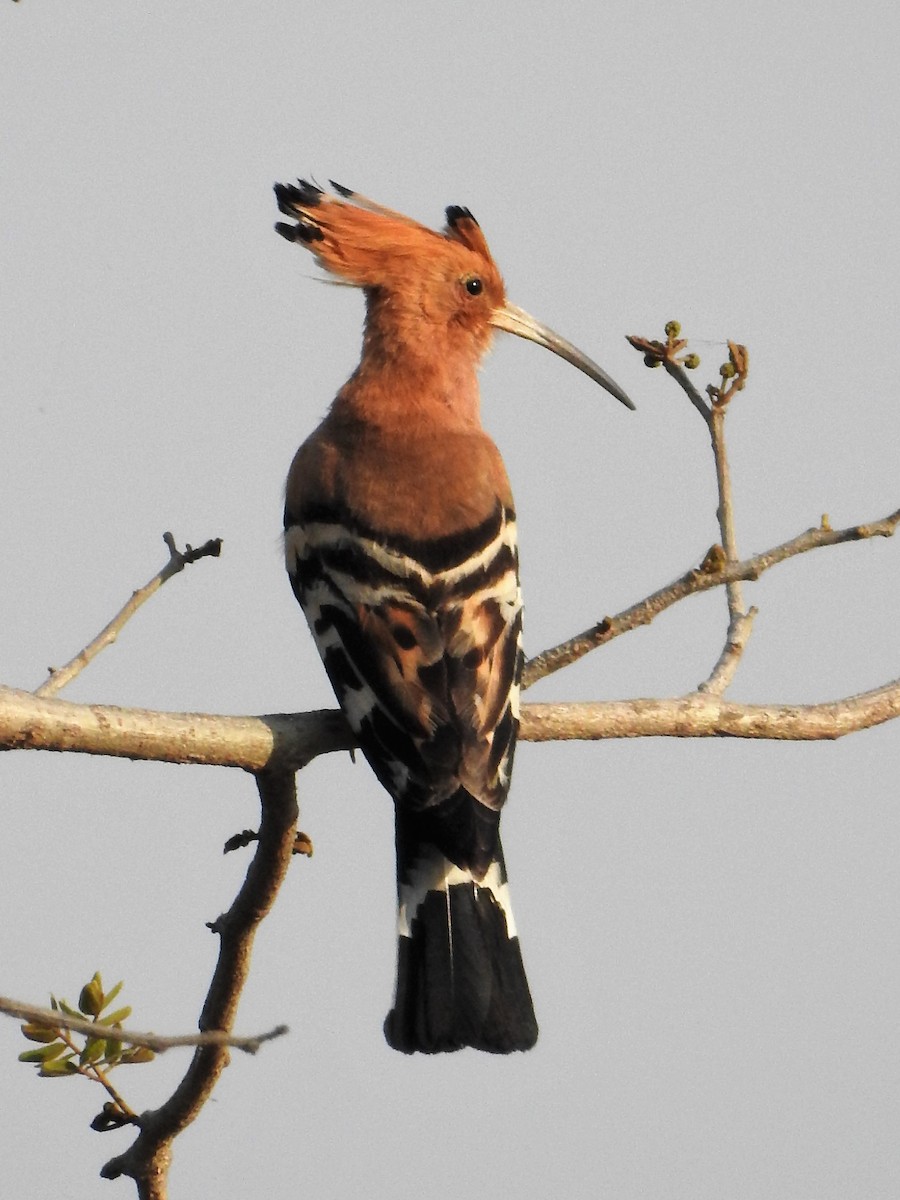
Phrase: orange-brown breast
(417, 482)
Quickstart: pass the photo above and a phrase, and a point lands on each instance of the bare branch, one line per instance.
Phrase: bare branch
(701, 715)
(178, 560)
(713, 572)
(274, 742)
(289, 742)
(147, 1159)
(740, 623)
(52, 1018)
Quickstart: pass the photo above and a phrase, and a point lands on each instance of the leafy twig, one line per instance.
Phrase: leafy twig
(49, 1018)
(58, 1056)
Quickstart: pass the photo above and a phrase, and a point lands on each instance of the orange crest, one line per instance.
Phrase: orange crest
(374, 247)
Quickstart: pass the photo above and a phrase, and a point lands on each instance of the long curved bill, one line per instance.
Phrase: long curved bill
(515, 320)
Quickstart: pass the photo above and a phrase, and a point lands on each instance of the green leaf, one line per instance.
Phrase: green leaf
(44, 1054)
(117, 1017)
(109, 997)
(94, 1049)
(68, 1010)
(58, 1067)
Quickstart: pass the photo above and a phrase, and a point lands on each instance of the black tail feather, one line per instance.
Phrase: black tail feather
(460, 978)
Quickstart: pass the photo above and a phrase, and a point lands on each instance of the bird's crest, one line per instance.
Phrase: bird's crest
(369, 245)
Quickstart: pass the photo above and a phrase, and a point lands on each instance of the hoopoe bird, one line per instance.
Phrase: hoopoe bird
(400, 543)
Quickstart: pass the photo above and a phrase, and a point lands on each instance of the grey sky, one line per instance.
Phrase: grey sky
(710, 929)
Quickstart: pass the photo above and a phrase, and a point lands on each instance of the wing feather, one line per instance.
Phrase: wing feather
(424, 660)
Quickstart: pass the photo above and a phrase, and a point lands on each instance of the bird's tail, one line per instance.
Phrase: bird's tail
(460, 977)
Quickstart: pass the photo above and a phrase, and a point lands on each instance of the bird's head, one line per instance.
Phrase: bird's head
(427, 292)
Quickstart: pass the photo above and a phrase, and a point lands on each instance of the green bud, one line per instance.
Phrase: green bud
(673, 329)
(40, 1033)
(140, 1054)
(91, 999)
(692, 361)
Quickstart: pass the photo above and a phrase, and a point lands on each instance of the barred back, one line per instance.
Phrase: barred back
(421, 642)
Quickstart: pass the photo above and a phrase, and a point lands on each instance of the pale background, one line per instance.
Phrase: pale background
(711, 929)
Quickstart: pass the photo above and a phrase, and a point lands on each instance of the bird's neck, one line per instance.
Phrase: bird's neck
(405, 389)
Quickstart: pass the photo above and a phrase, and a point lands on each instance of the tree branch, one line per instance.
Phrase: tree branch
(288, 742)
(276, 742)
(713, 572)
(147, 1159)
(703, 715)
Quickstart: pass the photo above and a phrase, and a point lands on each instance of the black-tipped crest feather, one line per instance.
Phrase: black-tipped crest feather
(456, 213)
(291, 197)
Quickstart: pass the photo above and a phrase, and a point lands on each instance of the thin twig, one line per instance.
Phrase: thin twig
(178, 560)
(733, 378)
(93, 1071)
(740, 626)
(725, 508)
(148, 1158)
(51, 1018)
(740, 622)
(712, 573)
(680, 375)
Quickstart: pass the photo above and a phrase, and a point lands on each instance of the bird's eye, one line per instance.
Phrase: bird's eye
(474, 285)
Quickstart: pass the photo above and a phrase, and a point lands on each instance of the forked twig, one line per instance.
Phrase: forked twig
(733, 375)
(713, 572)
(178, 560)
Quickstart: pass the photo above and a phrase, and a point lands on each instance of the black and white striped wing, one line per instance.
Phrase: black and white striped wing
(421, 642)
